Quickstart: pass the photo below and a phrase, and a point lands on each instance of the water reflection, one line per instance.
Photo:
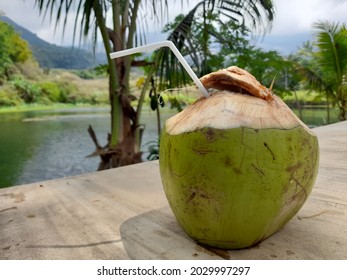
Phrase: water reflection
(42, 145)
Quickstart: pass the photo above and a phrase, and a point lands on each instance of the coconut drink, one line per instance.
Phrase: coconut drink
(238, 165)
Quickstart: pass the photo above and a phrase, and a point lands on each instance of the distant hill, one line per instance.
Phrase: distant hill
(53, 56)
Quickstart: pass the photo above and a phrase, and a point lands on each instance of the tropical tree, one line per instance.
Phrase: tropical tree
(325, 66)
(306, 64)
(122, 32)
(332, 57)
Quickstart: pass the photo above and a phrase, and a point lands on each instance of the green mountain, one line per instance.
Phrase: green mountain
(53, 56)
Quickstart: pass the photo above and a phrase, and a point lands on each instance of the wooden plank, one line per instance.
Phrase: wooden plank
(123, 213)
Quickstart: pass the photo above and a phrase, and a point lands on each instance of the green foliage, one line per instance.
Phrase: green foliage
(58, 87)
(101, 70)
(323, 64)
(67, 92)
(52, 91)
(22, 81)
(332, 58)
(268, 67)
(332, 48)
(29, 69)
(176, 103)
(92, 73)
(86, 74)
(9, 97)
(28, 91)
(12, 49)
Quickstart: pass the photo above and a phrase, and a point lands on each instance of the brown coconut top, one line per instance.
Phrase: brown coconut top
(236, 79)
(239, 100)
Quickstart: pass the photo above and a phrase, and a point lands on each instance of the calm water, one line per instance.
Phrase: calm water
(42, 145)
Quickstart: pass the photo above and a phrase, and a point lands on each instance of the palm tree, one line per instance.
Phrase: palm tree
(124, 141)
(305, 62)
(332, 60)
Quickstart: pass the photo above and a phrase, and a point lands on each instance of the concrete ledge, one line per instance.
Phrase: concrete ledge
(123, 213)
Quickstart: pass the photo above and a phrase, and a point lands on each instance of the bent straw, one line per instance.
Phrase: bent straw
(169, 44)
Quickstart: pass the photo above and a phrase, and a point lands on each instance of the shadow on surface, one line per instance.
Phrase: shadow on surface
(156, 235)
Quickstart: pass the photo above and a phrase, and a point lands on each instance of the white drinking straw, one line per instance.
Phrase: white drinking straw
(169, 44)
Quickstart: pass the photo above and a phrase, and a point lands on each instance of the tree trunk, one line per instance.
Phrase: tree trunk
(342, 108)
(298, 104)
(328, 107)
(121, 148)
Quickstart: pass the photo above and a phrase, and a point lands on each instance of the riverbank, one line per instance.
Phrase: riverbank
(310, 107)
(184, 97)
(42, 107)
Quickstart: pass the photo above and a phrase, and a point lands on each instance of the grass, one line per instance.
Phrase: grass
(304, 97)
(38, 107)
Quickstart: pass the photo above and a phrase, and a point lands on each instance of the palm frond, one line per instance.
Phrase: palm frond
(170, 70)
(255, 14)
(332, 45)
(313, 78)
(59, 11)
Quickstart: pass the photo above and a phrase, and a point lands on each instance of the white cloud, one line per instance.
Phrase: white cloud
(297, 16)
(292, 17)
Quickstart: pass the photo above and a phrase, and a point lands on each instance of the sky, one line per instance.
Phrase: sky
(292, 25)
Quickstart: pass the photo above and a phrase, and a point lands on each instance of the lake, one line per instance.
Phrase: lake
(42, 145)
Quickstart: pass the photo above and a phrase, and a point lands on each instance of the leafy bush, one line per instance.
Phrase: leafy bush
(28, 91)
(52, 91)
(177, 103)
(13, 49)
(89, 74)
(55, 86)
(9, 97)
(67, 92)
(30, 69)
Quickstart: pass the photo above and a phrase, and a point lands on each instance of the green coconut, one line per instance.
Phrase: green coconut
(238, 165)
